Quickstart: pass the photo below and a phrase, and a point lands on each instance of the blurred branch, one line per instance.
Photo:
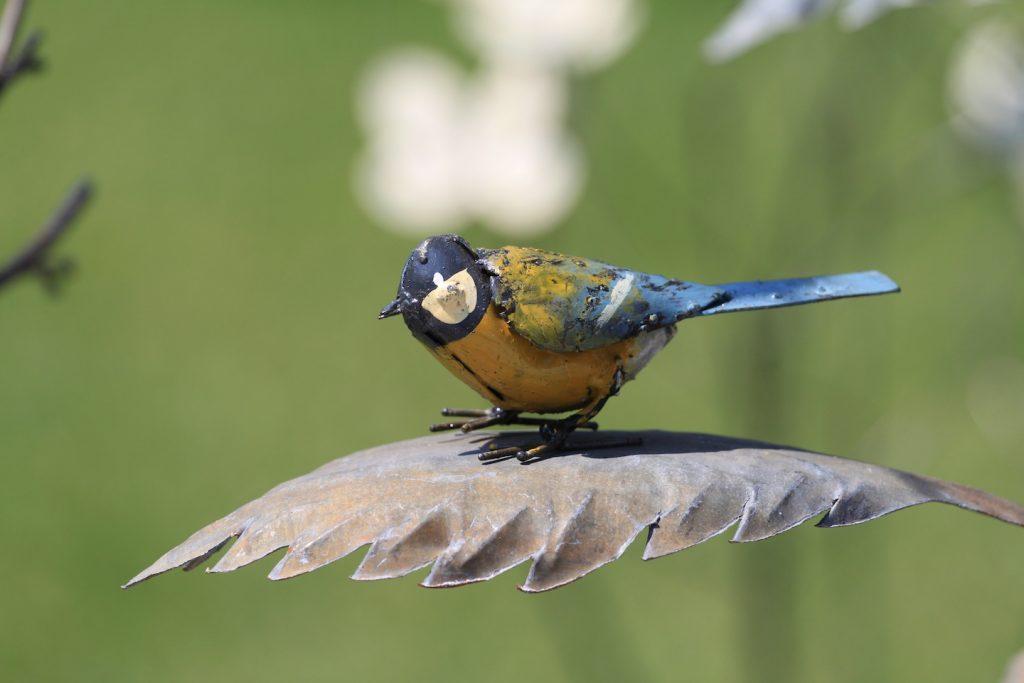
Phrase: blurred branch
(24, 60)
(35, 257)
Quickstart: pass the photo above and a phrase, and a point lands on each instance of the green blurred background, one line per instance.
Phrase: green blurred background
(220, 337)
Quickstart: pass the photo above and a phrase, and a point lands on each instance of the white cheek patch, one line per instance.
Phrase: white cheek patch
(453, 299)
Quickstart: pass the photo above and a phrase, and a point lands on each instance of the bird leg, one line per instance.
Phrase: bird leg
(491, 417)
(555, 434)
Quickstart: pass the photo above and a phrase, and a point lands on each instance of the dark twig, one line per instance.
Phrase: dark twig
(27, 58)
(35, 258)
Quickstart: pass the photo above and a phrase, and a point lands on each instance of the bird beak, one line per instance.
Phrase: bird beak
(393, 308)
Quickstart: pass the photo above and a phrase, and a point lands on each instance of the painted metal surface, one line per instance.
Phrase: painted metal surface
(429, 502)
(511, 373)
(747, 296)
(567, 303)
(540, 332)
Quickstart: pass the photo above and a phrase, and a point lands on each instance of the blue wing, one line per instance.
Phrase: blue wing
(565, 303)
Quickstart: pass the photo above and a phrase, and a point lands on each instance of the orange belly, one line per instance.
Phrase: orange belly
(513, 374)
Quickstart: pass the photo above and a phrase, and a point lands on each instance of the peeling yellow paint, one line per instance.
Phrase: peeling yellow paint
(546, 293)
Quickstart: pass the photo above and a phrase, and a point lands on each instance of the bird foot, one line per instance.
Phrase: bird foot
(494, 417)
(526, 454)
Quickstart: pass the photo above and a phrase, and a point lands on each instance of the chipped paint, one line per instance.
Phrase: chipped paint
(537, 331)
(567, 303)
(453, 299)
(615, 299)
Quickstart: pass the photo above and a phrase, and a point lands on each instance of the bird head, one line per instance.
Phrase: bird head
(443, 292)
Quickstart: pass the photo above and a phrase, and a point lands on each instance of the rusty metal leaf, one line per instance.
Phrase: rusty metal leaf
(429, 501)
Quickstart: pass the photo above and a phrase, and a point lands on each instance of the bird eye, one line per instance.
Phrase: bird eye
(452, 299)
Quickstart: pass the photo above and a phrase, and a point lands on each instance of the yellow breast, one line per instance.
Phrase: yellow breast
(513, 374)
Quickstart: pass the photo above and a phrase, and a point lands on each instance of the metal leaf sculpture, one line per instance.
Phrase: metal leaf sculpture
(429, 501)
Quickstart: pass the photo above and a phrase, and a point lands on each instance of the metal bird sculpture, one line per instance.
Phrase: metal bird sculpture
(539, 332)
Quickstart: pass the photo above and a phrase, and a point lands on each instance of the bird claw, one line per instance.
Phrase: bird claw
(495, 453)
(481, 419)
(527, 454)
(498, 417)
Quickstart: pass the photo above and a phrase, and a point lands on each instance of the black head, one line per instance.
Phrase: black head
(443, 293)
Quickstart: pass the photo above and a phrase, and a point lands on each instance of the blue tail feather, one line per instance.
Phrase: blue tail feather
(747, 296)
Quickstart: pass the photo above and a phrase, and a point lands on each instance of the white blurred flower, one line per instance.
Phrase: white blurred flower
(757, 21)
(446, 149)
(522, 171)
(987, 91)
(409, 105)
(995, 400)
(1015, 669)
(412, 90)
(580, 34)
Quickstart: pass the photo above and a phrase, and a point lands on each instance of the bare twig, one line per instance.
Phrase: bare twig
(24, 60)
(35, 257)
